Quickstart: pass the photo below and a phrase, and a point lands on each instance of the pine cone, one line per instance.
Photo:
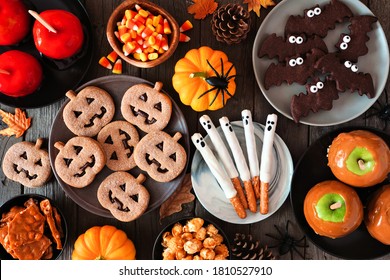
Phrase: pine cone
(231, 23)
(245, 248)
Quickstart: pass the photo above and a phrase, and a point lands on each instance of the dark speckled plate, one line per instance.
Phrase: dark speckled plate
(311, 169)
(86, 197)
(58, 76)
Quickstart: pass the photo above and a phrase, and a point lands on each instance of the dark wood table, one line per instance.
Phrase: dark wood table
(144, 230)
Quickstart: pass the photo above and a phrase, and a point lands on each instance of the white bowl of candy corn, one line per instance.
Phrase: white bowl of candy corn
(142, 33)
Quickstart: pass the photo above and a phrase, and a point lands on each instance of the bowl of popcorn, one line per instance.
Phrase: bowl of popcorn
(142, 33)
(192, 238)
(31, 228)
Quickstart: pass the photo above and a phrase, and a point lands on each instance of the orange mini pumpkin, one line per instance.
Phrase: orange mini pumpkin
(103, 243)
(333, 209)
(204, 79)
(359, 158)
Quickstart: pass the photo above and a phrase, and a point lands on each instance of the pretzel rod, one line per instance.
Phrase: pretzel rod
(240, 161)
(224, 156)
(250, 141)
(266, 161)
(218, 172)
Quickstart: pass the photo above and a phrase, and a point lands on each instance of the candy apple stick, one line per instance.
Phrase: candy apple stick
(224, 155)
(42, 21)
(4, 72)
(240, 161)
(251, 150)
(222, 178)
(266, 161)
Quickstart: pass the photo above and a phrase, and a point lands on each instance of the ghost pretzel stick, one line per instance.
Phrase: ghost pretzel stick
(251, 150)
(224, 156)
(240, 161)
(266, 161)
(219, 174)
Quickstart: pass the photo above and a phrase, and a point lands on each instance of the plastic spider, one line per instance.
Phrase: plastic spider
(287, 243)
(383, 112)
(219, 82)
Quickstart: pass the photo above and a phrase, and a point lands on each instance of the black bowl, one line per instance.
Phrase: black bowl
(158, 248)
(19, 201)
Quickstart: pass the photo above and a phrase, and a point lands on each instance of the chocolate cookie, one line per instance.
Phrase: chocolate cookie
(27, 164)
(88, 111)
(118, 140)
(147, 107)
(124, 196)
(318, 20)
(79, 160)
(161, 156)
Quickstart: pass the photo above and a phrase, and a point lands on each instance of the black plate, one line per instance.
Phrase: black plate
(86, 197)
(58, 76)
(311, 169)
(20, 200)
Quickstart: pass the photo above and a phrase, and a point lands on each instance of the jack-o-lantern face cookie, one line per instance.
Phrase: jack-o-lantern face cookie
(118, 140)
(161, 156)
(147, 107)
(124, 196)
(88, 111)
(27, 163)
(79, 160)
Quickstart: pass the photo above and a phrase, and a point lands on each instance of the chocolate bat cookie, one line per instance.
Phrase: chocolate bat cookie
(277, 46)
(353, 45)
(319, 96)
(318, 20)
(346, 75)
(296, 69)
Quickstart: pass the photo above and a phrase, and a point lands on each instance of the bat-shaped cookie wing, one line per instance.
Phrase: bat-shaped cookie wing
(353, 45)
(346, 75)
(295, 70)
(317, 20)
(319, 96)
(276, 46)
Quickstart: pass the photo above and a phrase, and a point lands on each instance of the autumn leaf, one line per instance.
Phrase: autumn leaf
(179, 197)
(17, 124)
(255, 5)
(201, 8)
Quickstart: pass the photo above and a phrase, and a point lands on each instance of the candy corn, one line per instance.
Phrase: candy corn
(117, 67)
(112, 56)
(187, 25)
(184, 38)
(105, 63)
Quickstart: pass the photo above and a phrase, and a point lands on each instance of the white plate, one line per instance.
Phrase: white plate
(211, 195)
(349, 105)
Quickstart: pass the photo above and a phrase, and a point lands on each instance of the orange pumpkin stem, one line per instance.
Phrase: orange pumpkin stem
(202, 75)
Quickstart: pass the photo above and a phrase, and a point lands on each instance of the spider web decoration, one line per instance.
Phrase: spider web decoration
(287, 243)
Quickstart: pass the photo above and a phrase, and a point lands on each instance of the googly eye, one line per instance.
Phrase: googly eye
(354, 68)
(310, 13)
(320, 85)
(348, 64)
(292, 62)
(292, 39)
(299, 60)
(346, 39)
(313, 89)
(343, 46)
(317, 11)
(299, 40)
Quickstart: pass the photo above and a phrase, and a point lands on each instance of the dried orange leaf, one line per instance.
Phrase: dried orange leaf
(17, 124)
(255, 5)
(201, 8)
(179, 197)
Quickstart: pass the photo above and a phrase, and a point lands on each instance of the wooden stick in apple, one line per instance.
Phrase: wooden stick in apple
(240, 161)
(218, 172)
(224, 156)
(251, 150)
(42, 21)
(266, 161)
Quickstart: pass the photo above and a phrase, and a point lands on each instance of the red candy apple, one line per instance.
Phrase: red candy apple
(66, 41)
(20, 73)
(14, 22)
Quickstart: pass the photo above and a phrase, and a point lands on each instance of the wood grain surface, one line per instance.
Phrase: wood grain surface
(144, 230)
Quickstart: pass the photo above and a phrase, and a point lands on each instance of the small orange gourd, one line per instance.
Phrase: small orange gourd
(204, 79)
(103, 243)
